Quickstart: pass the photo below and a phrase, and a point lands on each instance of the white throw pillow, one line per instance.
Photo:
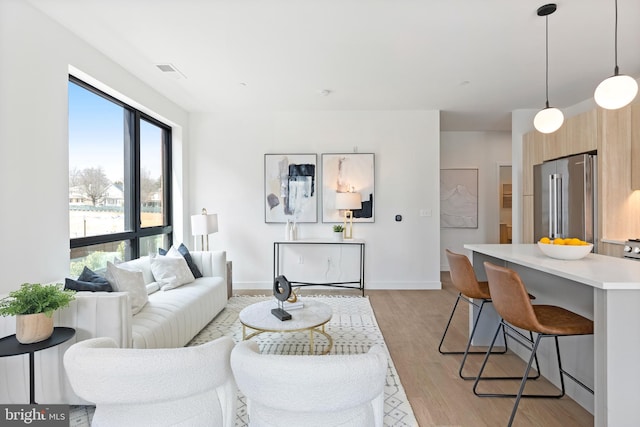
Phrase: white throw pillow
(152, 287)
(132, 282)
(173, 253)
(171, 272)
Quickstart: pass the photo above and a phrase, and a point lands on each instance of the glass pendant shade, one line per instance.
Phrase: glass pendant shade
(548, 120)
(616, 92)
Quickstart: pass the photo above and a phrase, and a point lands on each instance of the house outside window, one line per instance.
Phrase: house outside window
(119, 180)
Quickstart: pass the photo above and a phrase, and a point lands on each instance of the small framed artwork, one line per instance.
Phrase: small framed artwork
(290, 188)
(348, 173)
(459, 198)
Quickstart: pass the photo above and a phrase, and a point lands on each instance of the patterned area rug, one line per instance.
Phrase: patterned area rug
(353, 328)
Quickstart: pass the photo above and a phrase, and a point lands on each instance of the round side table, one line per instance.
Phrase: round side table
(9, 346)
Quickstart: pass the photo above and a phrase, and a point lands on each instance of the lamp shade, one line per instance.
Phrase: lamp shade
(204, 224)
(348, 201)
(616, 92)
(548, 120)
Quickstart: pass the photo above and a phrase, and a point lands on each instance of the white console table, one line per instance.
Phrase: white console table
(328, 243)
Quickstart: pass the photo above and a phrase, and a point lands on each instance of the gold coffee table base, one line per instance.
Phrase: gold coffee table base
(320, 331)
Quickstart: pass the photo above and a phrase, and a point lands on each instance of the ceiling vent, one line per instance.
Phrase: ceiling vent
(171, 70)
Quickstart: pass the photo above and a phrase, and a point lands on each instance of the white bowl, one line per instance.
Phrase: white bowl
(565, 251)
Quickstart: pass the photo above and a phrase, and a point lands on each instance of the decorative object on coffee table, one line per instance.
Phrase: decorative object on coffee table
(33, 305)
(282, 292)
(294, 295)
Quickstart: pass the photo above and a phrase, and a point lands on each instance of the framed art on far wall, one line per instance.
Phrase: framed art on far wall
(349, 172)
(290, 188)
(459, 198)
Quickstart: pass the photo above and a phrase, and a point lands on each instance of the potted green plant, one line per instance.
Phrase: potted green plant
(33, 305)
(338, 231)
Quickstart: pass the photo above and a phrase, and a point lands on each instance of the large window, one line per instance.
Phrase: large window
(119, 180)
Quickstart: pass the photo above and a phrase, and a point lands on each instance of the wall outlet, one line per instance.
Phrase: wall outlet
(425, 212)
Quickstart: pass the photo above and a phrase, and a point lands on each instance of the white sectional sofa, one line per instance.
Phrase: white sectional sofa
(169, 319)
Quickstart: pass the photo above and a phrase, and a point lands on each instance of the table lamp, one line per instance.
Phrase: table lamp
(347, 202)
(202, 225)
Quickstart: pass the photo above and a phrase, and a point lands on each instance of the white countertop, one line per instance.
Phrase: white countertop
(599, 271)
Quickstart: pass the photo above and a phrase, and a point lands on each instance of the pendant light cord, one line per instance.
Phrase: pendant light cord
(546, 19)
(615, 43)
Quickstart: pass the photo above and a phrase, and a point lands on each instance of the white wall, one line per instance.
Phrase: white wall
(484, 151)
(227, 177)
(35, 56)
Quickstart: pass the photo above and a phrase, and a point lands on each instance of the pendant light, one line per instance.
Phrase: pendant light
(549, 119)
(618, 90)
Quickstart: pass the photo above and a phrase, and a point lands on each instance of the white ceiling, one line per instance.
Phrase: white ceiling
(474, 60)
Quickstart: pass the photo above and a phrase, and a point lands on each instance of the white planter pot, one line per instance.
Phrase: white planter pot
(32, 328)
(337, 236)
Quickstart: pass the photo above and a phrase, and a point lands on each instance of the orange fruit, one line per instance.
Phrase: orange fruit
(545, 240)
(558, 241)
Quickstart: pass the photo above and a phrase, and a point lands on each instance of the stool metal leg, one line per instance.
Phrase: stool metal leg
(562, 374)
(524, 382)
(473, 330)
(533, 358)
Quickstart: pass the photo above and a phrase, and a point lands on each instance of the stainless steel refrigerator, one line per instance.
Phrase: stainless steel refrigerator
(565, 199)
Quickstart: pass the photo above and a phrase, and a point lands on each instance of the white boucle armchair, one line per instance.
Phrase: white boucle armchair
(188, 386)
(334, 390)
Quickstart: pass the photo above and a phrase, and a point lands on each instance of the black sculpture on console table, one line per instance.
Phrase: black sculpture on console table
(282, 292)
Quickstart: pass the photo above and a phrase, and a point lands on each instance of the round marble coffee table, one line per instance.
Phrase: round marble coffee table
(311, 317)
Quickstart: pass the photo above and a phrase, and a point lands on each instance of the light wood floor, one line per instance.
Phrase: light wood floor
(412, 323)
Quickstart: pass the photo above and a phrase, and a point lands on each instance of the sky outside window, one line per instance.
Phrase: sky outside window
(96, 133)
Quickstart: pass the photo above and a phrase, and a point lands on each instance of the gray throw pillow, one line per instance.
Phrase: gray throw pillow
(88, 281)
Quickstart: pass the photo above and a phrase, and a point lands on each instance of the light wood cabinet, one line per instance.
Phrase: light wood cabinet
(527, 219)
(552, 144)
(635, 147)
(578, 134)
(532, 154)
(617, 206)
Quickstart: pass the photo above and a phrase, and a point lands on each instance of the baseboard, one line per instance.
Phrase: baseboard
(368, 285)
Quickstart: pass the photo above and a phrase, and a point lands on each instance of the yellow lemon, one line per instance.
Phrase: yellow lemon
(545, 240)
(558, 241)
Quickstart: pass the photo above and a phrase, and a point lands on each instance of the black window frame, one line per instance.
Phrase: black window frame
(132, 206)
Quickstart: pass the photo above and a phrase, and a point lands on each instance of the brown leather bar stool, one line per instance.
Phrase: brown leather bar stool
(510, 299)
(469, 289)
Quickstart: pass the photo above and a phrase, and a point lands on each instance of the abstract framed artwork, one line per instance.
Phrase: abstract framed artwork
(290, 188)
(349, 172)
(459, 198)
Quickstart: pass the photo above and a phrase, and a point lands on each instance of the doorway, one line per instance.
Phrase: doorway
(505, 203)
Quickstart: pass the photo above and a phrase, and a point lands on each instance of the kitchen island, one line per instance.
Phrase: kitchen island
(605, 289)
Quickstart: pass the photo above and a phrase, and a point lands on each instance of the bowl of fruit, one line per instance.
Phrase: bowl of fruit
(567, 249)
